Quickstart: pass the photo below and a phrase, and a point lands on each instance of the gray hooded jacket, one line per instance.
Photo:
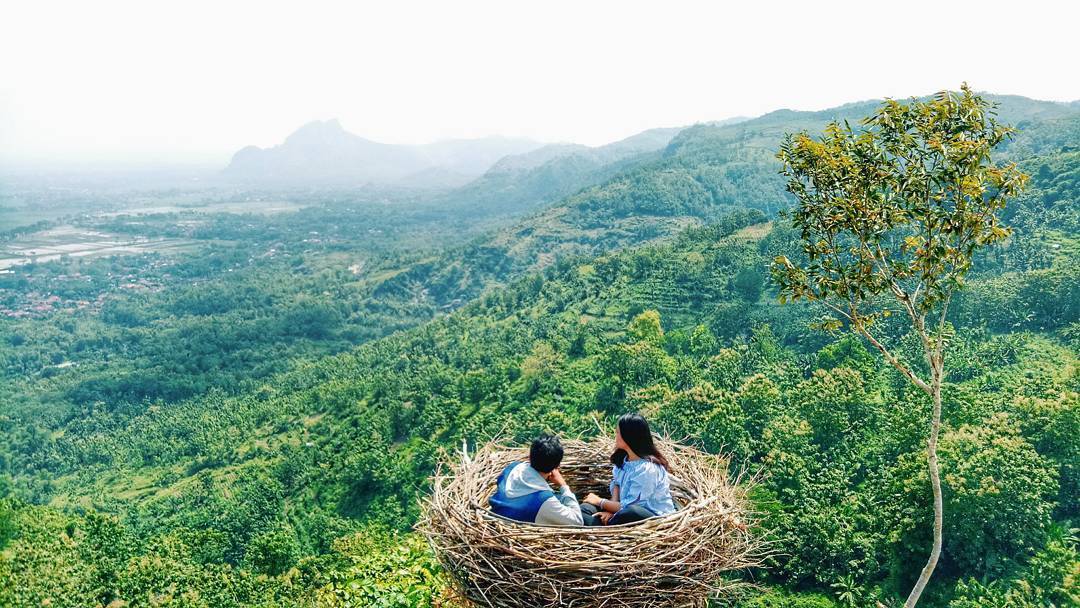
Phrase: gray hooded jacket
(559, 510)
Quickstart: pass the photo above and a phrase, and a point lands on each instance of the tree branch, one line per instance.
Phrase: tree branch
(853, 319)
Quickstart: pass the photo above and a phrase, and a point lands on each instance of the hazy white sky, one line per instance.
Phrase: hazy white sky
(150, 81)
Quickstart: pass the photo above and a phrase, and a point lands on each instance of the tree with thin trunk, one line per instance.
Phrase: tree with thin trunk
(890, 217)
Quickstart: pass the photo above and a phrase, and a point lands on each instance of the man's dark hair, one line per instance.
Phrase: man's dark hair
(546, 453)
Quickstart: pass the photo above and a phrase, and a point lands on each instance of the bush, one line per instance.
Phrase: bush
(384, 571)
(273, 551)
(7, 523)
(1052, 578)
(999, 494)
(774, 598)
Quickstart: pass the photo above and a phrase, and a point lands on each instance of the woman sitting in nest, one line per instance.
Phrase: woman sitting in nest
(640, 487)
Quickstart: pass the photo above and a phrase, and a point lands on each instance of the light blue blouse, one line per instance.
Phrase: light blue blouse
(643, 482)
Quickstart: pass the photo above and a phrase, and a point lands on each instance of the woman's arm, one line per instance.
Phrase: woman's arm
(608, 505)
(611, 505)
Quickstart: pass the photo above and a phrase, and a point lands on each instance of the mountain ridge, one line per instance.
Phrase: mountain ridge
(323, 152)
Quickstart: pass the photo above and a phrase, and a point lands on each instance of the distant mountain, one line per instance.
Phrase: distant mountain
(322, 152)
(646, 141)
(524, 182)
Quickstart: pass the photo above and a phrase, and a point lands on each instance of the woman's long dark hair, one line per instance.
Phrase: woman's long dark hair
(636, 433)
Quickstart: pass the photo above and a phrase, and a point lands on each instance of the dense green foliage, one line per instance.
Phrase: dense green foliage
(94, 560)
(286, 470)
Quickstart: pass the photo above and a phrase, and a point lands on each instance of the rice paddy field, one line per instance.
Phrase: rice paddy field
(257, 207)
(64, 230)
(54, 243)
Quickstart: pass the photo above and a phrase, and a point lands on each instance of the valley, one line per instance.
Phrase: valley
(234, 396)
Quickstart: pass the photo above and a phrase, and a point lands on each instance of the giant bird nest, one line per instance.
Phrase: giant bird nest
(675, 560)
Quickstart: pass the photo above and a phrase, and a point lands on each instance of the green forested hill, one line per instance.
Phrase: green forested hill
(648, 292)
(703, 173)
(525, 182)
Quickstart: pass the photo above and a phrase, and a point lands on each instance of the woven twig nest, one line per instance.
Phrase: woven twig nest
(674, 560)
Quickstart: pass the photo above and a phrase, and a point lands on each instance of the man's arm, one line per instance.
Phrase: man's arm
(562, 509)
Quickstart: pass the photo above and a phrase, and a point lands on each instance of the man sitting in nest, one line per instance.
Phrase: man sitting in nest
(523, 492)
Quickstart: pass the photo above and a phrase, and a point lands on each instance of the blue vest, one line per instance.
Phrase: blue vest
(521, 508)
